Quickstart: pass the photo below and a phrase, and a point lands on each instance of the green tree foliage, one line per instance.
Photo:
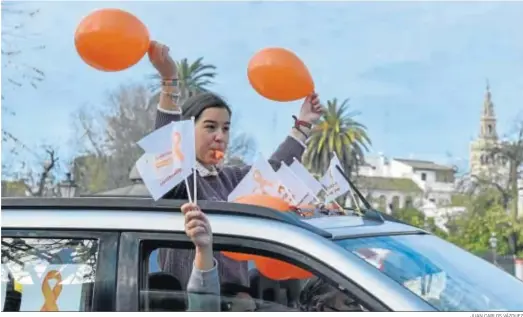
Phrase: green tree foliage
(484, 215)
(338, 132)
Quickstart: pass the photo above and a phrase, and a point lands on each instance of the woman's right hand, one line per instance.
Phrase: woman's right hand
(162, 61)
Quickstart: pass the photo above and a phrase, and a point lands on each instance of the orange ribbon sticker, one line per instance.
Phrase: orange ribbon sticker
(262, 183)
(175, 154)
(177, 147)
(51, 295)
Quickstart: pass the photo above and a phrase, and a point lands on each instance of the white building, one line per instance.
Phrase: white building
(403, 182)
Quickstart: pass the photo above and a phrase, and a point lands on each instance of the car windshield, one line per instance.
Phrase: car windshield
(442, 274)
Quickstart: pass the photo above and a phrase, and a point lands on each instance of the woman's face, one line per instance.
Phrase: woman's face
(212, 134)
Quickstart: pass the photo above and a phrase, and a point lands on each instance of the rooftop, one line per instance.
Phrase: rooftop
(388, 184)
(425, 165)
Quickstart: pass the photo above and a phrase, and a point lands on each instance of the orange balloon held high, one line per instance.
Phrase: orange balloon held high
(111, 40)
(278, 74)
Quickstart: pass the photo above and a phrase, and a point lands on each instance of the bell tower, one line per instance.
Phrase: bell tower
(488, 129)
(481, 159)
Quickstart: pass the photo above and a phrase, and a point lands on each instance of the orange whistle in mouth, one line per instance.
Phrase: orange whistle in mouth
(218, 154)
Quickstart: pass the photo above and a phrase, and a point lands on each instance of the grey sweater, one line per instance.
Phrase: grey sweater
(203, 290)
(217, 188)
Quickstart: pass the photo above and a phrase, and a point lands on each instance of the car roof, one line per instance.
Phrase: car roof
(331, 227)
(352, 226)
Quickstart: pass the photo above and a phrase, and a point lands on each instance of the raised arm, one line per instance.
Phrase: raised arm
(294, 144)
(168, 107)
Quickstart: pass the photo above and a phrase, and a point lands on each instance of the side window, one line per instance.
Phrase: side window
(45, 274)
(249, 285)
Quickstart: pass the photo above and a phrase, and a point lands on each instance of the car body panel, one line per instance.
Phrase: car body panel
(324, 250)
(347, 226)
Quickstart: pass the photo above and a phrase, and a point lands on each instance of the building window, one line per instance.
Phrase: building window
(395, 203)
(489, 128)
(408, 202)
(382, 203)
(444, 177)
(423, 176)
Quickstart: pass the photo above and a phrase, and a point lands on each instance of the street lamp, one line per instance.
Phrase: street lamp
(494, 244)
(67, 187)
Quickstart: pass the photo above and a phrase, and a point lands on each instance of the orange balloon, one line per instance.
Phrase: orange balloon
(278, 270)
(271, 268)
(267, 201)
(278, 74)
(262, 201)
(238, 256)
(111, 40)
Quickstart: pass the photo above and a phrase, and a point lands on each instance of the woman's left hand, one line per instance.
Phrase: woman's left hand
(311, 109)
(197, 226)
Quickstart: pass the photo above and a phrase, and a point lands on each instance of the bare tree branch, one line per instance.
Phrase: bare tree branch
(15, 71)
(48, 166)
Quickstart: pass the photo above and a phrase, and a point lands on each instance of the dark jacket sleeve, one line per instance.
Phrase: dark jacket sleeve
(164, 118)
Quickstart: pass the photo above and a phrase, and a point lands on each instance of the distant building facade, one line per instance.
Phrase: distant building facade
(402, 183)
(484, 162)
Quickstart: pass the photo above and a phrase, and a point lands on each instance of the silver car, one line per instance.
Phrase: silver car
(105, 251)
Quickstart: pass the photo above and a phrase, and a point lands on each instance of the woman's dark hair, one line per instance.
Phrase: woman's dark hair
(195, 105)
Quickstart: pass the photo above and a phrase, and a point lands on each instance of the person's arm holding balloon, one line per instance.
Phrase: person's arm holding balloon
(310, 113)
(169, 108)
(294, 145)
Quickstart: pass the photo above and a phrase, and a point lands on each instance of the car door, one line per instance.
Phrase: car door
(58, 270)
(155, 288)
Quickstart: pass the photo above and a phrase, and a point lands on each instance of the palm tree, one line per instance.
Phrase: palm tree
(336, 132)
(193, 78)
